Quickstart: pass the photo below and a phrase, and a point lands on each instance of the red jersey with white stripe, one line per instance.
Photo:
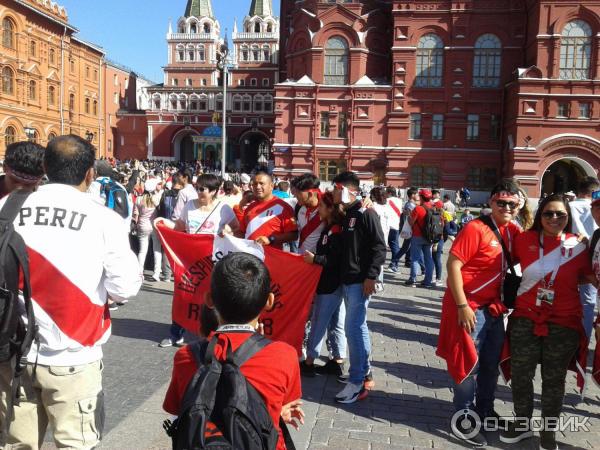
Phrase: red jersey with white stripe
(310, 227)
(79, 254)
(268, 218)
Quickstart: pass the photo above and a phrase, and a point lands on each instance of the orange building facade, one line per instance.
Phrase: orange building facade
(51, 81)
(470, 91)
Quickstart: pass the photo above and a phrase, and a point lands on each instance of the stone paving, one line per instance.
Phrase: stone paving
(409, 408)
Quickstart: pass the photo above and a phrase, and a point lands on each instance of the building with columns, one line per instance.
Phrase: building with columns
(470, 91)
(184, 118)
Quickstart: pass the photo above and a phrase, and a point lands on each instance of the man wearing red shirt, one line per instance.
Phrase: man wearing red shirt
(472, 325)
(240, 290)
(268, 220)
(420, 248)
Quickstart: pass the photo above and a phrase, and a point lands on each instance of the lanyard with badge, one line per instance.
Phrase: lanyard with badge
(545, 293)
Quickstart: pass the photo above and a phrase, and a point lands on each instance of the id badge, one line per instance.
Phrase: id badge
(544, 295)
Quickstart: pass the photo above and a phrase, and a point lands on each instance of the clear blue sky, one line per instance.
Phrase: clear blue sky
(132, 32)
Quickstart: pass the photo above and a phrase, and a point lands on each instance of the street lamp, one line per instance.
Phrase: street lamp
(222, 65)
(89, 136)
(30, 133)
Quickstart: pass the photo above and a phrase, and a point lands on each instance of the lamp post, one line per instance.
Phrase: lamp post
(222, 65)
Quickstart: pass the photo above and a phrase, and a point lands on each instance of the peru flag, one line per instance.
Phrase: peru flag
(192, 257)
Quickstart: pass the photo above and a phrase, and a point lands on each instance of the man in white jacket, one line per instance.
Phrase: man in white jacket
(78, 256)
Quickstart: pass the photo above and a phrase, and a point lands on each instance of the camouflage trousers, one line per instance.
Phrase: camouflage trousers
(554, 352)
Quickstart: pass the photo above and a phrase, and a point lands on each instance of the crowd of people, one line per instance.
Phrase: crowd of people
(103, 215)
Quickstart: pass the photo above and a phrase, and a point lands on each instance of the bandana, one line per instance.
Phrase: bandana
(22, 177)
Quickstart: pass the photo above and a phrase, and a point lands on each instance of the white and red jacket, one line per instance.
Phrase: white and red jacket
(78, 255)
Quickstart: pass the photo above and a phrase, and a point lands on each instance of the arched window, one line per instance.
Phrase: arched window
(156, 102)
(51, 136)
(71, 102)
(255, 53)
(10, 136)
(32, 48)
(257, 27)
(207, 28)
(8, 33)
(86, 106)
(35, 136)
(575, 50)
(201, 53)
(268, 104)
(95, 108)
(486, 64)
(269, 27)
(8, 81)
(193, 29)
(32, 90)
(52, 56)
(244, 53)
(266, 53)
(51, 95)
(336, 61)
(191, 55)
(258, 103)
(430, 61)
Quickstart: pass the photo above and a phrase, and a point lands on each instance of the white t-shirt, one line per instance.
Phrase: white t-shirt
(199, 221)
(386, 215)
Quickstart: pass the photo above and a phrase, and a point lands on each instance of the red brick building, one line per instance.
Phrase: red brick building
(470, 91)
(184, 118)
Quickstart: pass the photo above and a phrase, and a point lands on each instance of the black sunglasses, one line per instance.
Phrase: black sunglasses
(504, 204)
(553, 214)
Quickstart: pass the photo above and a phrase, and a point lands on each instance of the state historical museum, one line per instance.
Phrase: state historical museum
(406, 92)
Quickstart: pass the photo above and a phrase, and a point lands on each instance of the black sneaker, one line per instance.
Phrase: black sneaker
(331, 368)
(410, 283)
(308, 370)
(548, 440)
(514, 432)
(467, 431)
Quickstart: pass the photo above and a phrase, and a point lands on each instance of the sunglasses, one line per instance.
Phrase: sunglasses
(504, 204)
(553, 214)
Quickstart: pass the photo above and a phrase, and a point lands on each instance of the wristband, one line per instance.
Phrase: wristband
(462, 305)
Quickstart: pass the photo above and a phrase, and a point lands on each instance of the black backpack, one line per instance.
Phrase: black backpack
(167, 203)
(15, 337)
(221, 410)
(433, 230)
(115, 196)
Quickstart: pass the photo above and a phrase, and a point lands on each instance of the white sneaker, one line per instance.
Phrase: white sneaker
(156, 277)
(350, 393)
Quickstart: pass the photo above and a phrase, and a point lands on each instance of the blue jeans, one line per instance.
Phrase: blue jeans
(176, 332)
(478, 391)
(328, 314)
(420, 253)
(394, 246)
(587, 295)
(437, 259)
(357, 332)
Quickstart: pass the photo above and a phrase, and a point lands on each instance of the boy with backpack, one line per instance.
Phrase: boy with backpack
(210, 377)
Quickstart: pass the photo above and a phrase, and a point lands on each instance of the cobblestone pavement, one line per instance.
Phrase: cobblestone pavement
(409, 408)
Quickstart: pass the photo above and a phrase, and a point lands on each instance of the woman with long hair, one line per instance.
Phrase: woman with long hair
(546, 325)
(144, 212)
(328, 305)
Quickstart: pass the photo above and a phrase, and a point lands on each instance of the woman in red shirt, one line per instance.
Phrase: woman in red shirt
(546, 324)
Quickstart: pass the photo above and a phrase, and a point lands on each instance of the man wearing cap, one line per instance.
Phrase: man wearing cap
(583, 224)
(420, 248)
(23, 167)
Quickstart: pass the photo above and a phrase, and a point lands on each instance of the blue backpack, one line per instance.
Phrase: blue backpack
(115, 197)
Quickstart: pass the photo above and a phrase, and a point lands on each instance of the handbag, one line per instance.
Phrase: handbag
(512, 281)
(406, 232)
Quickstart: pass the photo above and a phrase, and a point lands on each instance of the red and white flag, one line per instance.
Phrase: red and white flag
(192, 257)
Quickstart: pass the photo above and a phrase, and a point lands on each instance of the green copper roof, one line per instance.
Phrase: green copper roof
(261, 8)
(199, 8)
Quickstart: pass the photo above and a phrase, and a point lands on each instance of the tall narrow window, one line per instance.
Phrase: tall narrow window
(415, 126)
(430, 61)
(336, 61)
(51, 95)
(32, 90)
(324, 124)
(201, 53)
(95, 108)
(563, 109)
(472, 127)
(71, 102)
(575, 50)
(584, 111)
(8, 81)
(32, 48)
(342, 125)
(437, 127)
(52, 56)
(266, 53)
(268, 103)
(486, 64)
(495, 127)
(8, 34)
(10, 136)
(86, 106)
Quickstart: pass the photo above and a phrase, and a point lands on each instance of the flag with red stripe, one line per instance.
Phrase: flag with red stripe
(192, 258)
